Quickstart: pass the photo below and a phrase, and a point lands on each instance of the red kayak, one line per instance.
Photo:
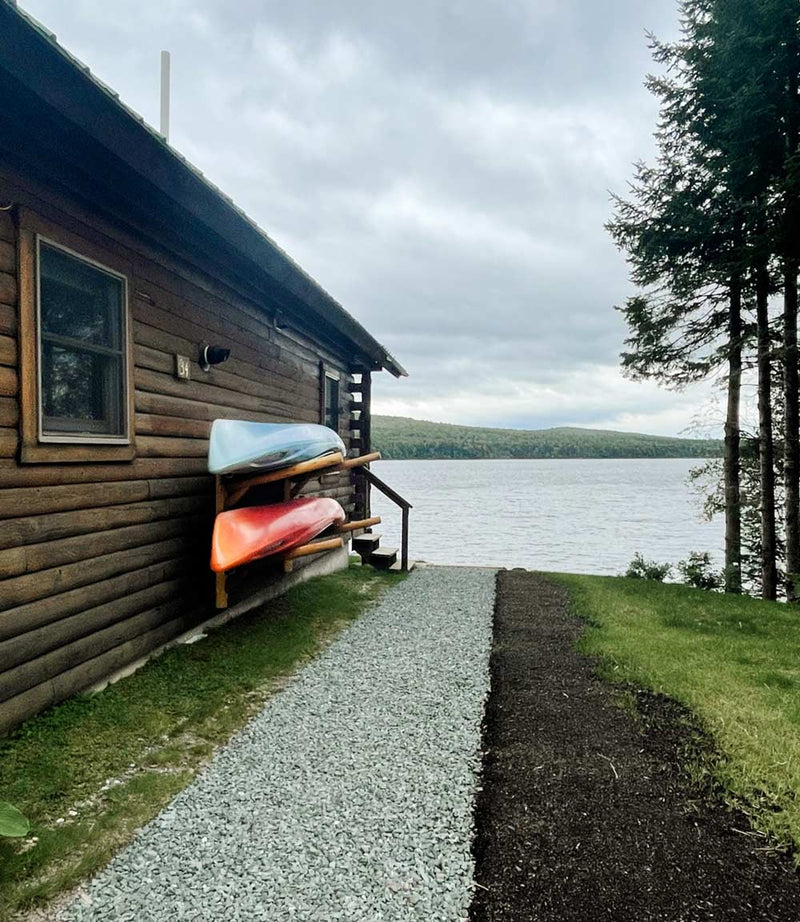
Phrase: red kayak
(242, 535)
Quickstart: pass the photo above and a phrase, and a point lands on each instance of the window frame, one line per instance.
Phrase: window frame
(327, 372)
(36, 446)
(81, 438)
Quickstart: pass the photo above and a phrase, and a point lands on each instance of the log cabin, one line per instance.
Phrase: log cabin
(119, 263)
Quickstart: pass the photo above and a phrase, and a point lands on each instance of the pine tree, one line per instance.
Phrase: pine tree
(740, 76)
(721, 212)
(683, 233)
(785, 20)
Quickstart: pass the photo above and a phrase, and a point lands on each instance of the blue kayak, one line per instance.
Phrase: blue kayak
(236, 445)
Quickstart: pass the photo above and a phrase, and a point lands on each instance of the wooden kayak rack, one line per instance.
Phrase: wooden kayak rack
(328, 464)
(228, 493)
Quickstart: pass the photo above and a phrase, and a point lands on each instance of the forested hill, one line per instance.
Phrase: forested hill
(402, 437)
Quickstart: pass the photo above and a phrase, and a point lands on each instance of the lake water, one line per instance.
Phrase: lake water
(569, 516)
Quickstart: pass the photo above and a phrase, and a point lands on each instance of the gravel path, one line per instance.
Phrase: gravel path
(349, 797)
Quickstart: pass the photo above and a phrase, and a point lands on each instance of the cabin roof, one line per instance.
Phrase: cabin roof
(90, 141)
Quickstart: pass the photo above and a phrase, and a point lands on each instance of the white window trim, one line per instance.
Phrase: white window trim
(79, 439)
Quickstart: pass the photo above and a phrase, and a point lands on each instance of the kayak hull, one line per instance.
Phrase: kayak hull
(254, 532)
(236, 445)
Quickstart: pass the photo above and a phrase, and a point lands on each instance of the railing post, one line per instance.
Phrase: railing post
(404, 545)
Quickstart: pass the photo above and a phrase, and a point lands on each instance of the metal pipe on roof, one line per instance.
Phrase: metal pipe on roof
(135, 154)
(165, 61)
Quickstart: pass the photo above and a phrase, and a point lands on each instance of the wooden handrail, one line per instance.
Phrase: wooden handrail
(387, 490)
(398, 500)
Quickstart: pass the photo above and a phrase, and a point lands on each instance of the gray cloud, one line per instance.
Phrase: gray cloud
(441, 168)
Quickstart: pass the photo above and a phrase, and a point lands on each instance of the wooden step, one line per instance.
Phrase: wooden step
(366, 544)
(397, 567)
(383, 557)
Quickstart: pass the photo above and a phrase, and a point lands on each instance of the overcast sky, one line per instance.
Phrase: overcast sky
(442, 168)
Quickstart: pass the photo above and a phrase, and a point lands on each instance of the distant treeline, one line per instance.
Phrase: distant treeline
(400, 437)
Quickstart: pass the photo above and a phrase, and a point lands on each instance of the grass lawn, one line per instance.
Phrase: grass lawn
(89, 772)
(735, 662)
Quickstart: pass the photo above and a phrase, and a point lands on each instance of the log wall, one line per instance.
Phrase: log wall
(101, 563)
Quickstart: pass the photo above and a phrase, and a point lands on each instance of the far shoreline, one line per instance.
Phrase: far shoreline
(406, 439)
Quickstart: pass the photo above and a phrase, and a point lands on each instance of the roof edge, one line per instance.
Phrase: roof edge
(216, 211)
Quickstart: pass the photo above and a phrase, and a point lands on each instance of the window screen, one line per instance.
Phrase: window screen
(332, 403)
(82, 347)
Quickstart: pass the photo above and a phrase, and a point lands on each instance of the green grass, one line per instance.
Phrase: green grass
(105, 764)
(735, 662)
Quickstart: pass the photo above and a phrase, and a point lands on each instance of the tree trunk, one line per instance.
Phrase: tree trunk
(791, 444)
(769, 576)
(791, 450)
(733, 513)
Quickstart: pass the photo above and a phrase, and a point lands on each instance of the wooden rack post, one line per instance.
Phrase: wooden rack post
(313, 547)
(359, 525)
(330, 464)
(221, 582)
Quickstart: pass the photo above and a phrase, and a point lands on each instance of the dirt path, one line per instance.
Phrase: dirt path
(585, 813)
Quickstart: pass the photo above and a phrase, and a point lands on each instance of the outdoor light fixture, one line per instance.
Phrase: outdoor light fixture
(213, 355)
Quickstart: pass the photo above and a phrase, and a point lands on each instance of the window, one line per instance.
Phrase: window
(331, 414)
(82, 347)
(75, 361)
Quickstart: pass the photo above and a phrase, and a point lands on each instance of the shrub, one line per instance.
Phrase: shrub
(698, 571)
(639, 568)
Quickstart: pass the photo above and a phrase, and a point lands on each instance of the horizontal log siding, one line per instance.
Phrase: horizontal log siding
(102, 563)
